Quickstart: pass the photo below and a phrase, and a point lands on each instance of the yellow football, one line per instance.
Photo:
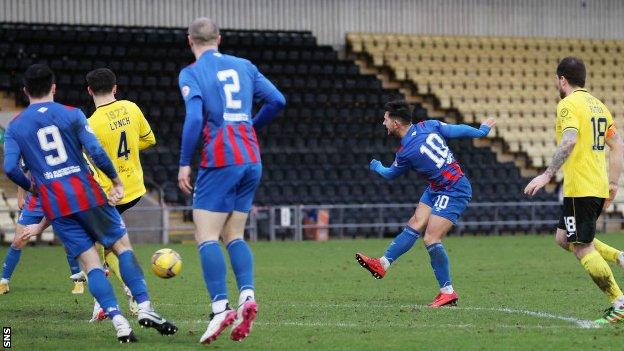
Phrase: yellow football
(166, 263)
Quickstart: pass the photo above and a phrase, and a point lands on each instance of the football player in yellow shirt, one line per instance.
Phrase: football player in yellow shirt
(584, 126)
(123, 131)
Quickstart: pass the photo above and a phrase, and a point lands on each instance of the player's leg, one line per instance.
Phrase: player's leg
(580, 215)
(113, 263)
(12, 257)
(402, 243)
(79, 244)
(240, 254)
(437, 228)
(104, 223)
(448, 205)
(77, 276)
(213, 202)
(609, 253)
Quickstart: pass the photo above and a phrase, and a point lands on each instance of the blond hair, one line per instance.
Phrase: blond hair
(203, 31)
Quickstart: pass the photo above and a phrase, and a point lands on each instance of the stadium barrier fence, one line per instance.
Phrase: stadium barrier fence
(294, 221)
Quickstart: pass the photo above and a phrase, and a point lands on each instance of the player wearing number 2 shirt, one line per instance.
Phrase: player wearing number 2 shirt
(219, 92)
(424, 151)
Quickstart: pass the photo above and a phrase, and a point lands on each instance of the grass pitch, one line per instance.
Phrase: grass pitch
(516, 293)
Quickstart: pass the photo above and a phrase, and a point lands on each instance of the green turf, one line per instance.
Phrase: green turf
(315, 296)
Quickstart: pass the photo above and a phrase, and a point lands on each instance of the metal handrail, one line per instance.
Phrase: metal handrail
(296, 212)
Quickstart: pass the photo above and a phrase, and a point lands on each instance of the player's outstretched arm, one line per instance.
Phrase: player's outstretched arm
(615, 165)
(387, 172)
(274, 101)
(568, 141)
(451, 131)
(11, 162)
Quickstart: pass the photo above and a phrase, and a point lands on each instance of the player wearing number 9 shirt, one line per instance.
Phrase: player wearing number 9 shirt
(425, 151)
(584, 126)
(219, 91)
(50, 139)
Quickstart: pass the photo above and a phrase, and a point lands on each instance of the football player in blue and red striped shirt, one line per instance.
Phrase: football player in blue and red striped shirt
(424, 151)
(50, 138)
(219, 91)
(32, 214)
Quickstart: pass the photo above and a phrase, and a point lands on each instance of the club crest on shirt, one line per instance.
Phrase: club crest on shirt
(564, 112)
(185, 90)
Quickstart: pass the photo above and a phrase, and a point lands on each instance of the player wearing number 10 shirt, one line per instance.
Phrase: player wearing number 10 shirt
(425, 151)
(219, 91)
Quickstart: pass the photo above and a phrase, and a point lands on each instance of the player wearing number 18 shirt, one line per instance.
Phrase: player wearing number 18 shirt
(424, 150)
(219, 91)
(584, 126)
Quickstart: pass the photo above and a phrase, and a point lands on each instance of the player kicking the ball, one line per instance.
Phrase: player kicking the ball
(424, 150)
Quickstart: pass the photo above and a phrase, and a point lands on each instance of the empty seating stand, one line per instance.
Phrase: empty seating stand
(316, 152)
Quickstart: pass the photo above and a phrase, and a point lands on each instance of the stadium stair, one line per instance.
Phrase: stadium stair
(463, 76)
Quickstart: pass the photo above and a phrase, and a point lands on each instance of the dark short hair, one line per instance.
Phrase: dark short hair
(101, 80)
(399, 109)
(38, 80)
(573, 70)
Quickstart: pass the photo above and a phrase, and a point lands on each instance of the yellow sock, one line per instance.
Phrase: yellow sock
(100, 249)
(113, 265)
(601, 273)
(607, 252)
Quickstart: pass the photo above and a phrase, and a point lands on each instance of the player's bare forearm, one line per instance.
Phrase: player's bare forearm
(568, 141)
(615, 158)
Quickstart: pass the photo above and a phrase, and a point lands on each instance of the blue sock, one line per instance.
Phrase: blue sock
(10, 262)
(102, 290)
(74, 267)
(213, 265)
(133, 276)
(440, 264)
(401, 244)
(242, 263)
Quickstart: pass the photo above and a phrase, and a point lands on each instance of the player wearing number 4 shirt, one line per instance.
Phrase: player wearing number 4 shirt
(219, 91)
(424, 150)
(50, 138)
(584, 126)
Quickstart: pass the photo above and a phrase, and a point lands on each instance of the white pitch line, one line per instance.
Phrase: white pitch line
(581, 323)
(316, 324)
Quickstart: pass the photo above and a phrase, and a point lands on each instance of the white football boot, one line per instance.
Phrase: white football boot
(218, 323)
(124, 331)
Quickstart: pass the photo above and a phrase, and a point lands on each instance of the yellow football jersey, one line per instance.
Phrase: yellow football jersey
(585, 170)
(123, 131)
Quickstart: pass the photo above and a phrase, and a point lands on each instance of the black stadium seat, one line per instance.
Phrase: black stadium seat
(316, 151)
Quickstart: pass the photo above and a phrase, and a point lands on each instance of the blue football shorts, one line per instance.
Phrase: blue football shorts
(449, 203)
(79, 231)
(29, 217)
(227, 189)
